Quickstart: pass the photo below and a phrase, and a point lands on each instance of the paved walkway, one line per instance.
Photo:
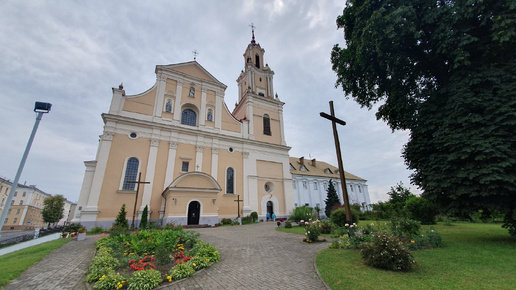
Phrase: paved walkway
(252, 257)
(64, 268)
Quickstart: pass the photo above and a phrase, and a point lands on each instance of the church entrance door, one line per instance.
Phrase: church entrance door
(270, 208)
(194, 211)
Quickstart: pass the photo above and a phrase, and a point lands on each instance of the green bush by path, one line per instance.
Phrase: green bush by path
(474, 256)
(13, 264)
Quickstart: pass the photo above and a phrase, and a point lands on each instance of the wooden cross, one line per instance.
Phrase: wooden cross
(136, 198)
(334, 122)
(238, 200)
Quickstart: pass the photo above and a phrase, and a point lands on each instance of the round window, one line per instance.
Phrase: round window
(231, 150)
(269, 187)
(133, 135)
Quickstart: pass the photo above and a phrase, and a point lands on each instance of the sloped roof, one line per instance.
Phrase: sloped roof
(318, 169)
(183, 68)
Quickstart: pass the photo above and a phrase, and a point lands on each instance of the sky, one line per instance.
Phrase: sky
(71, 53)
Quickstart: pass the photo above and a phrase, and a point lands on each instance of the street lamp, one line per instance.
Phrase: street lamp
(40, 108)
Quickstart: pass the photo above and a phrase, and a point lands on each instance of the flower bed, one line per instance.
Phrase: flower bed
(144, 259)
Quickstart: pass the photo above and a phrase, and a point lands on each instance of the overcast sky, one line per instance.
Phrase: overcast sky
(71, 53)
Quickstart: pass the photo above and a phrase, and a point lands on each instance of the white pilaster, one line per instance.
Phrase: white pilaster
(177, 105)
(169, 175)
(248, 167)
(202, 117)
(218, 109)
(198, 158)
(89, 212)
(149, 176)
(214, 162)
(282, 127)
(160, 93)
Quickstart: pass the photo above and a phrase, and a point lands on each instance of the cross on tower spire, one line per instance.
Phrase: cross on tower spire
(252, 27)
(195, 54)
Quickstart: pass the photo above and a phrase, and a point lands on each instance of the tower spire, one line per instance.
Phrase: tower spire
(252, 27)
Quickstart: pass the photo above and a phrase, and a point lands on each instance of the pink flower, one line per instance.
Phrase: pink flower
(347, 225)
(306, 223)
(351, 226)
(302, 221)
(308, 231)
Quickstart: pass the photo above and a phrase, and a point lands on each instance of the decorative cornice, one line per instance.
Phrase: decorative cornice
(107, 136)
(200, 148)
(172, 145)
(154, 142)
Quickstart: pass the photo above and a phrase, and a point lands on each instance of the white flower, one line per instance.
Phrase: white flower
(347, 225)
(302, 221)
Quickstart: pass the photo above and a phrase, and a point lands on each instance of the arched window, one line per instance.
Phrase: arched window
(257, 58)
(230, 180)
(209, 116)
(266, 125)
(189, 117)
(131, 170)
(168, 106)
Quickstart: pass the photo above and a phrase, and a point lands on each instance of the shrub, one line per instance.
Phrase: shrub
(430, 239)
(199, 263)
(326, 227)
(385, 252)
(404, 228)
(145, 213)
(117, 231)
(173, 227)
(247, 220)
(301, 213)
(312, 232)
(226, 221)
(72, 228)
(203, 249)
(101, 264)
(96, 230)
(162, 255)
(338, 217)
(148, 279)
(254, 215)
(110, 281)
(288, 225)
(181, 271)
(421, 209)
(121, 220)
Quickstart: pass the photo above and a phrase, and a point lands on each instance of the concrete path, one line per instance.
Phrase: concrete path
(252, 257)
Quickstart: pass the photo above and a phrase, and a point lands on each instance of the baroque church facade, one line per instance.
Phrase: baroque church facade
(201, 162)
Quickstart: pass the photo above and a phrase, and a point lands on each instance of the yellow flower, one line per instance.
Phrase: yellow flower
(193, 264)
(169, 279)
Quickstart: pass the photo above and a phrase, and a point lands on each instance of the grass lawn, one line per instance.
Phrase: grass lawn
(13, 264)
(474, 256)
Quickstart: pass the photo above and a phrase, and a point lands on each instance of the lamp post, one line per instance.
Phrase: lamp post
(40, 108)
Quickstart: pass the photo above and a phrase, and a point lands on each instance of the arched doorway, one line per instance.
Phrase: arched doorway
(194, 212)
(270, 208)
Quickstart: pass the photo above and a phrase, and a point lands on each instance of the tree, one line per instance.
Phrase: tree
(399, 194)
(121, 220)
(331, 199)
(52, 210)
(446, 71)
(145, 213)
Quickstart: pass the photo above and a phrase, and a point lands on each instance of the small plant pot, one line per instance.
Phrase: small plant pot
(81, 236)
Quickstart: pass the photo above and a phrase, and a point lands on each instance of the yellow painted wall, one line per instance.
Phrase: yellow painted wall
(275, 137)
(194, 71)
(184, 150)
(229, 123)
(122, 147)
(143, 104)
(227, 206)
(206, 160)
(268, 169)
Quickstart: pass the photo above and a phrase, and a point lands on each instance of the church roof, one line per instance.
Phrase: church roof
(186, 68)
(318, 168)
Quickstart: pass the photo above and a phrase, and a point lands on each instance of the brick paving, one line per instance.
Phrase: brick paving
(252, 257)
(64, 268)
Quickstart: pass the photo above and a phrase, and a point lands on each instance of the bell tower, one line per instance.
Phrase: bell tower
(257, 103)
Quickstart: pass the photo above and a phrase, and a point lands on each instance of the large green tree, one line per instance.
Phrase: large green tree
(446, 71)
(331, 199)
(52, 210)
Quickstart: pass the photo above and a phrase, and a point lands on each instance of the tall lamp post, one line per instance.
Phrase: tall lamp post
(40, 108)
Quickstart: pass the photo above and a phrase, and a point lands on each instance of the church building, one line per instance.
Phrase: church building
(199, 161)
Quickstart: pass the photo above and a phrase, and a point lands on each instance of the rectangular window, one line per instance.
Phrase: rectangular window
(18, 211)
(305, 185)
(307, 204)
(359, 189)
(12, 202)
(24, 194)
(184, 168)
(294, 184)
(21, 202)
(9, 211)
(6, 219)
(351, 187)
(315, 185)
(15, 220)
(15, 193)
